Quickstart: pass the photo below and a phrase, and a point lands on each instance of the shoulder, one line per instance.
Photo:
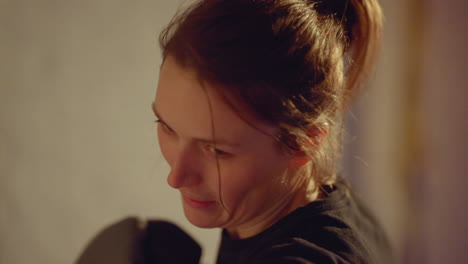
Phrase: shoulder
(334, 230)
(298, 251)
(339, 229)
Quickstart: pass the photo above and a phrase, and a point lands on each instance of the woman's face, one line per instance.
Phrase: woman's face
(254, 181)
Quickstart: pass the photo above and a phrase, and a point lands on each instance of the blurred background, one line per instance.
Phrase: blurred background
(78, 147)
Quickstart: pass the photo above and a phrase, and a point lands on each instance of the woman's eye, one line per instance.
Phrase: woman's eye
(164, 127)
(217, 151)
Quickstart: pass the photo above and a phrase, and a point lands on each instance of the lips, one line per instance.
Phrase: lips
(197, 203)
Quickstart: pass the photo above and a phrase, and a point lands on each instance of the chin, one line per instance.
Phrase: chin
(201, 224)
(201, 219)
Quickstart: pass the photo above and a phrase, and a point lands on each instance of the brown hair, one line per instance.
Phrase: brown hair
(294, 64)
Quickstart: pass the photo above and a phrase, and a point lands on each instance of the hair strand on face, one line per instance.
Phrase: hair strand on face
(213, 135)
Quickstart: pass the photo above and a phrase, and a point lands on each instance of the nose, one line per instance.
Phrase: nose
(184, 170)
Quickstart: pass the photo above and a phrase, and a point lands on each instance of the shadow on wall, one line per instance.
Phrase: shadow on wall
(117, 243)
(132, 241)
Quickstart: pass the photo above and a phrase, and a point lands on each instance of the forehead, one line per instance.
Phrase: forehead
(190, 107)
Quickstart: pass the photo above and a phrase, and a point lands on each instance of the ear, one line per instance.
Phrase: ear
(316, 135)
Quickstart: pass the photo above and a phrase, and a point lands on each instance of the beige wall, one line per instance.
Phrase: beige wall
(412, 131)
(78, 148)
(444, 211)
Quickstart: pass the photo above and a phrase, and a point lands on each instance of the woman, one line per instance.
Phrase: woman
(250, 107)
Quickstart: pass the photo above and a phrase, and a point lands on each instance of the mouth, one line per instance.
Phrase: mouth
(197, 203)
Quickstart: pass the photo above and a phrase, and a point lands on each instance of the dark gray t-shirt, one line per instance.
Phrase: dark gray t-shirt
(337, 229)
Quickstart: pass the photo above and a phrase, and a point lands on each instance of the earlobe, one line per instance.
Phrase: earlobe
(316, 135)
(297, 162)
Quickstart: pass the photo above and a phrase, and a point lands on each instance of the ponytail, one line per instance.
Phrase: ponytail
(364, 41)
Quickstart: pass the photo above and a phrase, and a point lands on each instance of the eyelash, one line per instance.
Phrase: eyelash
(210, 148)
(165, 128)
(216, 151)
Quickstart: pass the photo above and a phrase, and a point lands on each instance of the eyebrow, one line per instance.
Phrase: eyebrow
(208, 141)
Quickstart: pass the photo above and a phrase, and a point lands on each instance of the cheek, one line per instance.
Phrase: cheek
(166, 146)
(243, 179)
(264, 175)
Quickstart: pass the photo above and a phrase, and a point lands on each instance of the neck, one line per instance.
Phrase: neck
(302, 197)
